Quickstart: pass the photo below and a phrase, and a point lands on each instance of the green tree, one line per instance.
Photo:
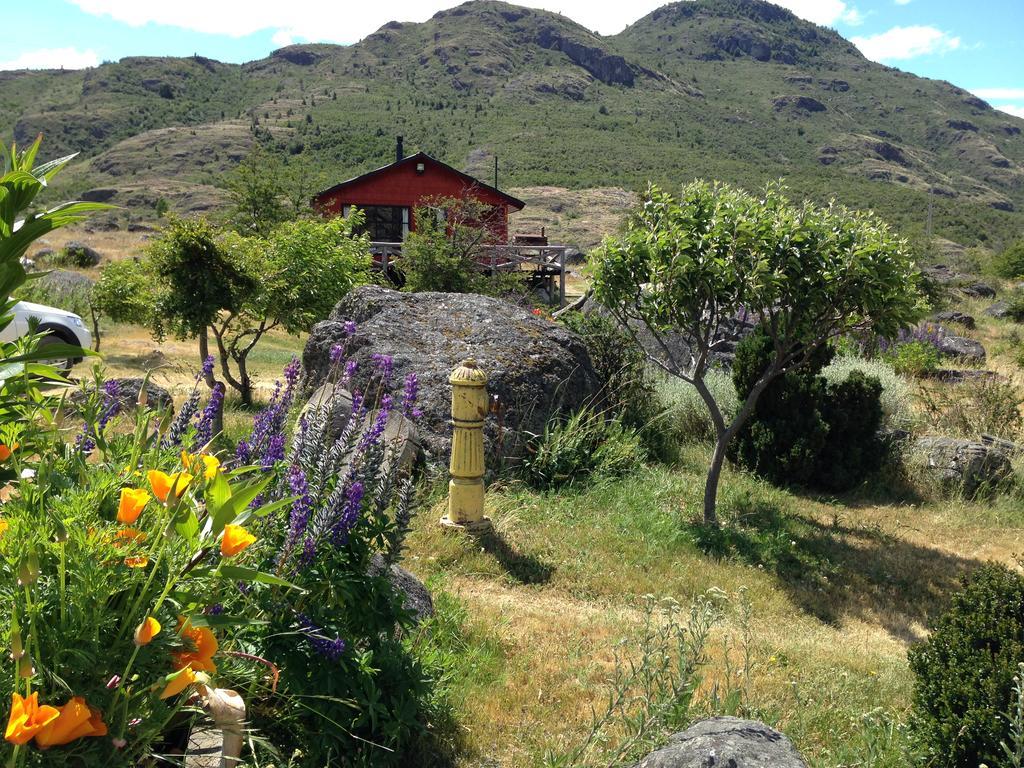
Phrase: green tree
(691, 264)
(300, 271)
(195, 280)
(256, 193)
(452, 248)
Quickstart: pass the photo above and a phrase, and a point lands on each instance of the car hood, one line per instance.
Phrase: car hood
(31, 308)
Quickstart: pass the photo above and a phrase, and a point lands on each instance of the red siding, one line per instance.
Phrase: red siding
(402, 185)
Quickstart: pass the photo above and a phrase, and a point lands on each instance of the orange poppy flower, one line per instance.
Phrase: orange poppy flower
(4, 525)
(139, 561)
(205, 643)
(146, 631)
(130, 535)
(76, 721)
(133, 500)
(163, 484)
(28, 718)
(178, 682)
(235, 539)
(208, 464)
(7, 450)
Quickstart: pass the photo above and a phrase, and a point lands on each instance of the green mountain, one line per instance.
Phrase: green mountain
(740, 90)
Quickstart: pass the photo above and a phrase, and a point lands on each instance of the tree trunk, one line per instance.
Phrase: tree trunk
(245, 383)
(204, 352)
(714, 475)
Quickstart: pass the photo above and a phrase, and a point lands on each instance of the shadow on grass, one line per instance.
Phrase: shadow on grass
(836, 570)
(523, 568)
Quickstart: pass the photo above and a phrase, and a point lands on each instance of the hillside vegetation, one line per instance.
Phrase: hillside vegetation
(739, 90)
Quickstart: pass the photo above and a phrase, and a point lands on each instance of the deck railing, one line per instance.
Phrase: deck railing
(541, 261)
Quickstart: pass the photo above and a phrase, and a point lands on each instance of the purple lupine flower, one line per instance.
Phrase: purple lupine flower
(373, 434)
(385, 365)
(350, 328)
(266, 442)
(410, 392)
(350, 511)
(325, 646)
(350, 371)
(182, 419)
(274, 452)
(214, 610)
(337, 352)
(207, 370)
(204, 426)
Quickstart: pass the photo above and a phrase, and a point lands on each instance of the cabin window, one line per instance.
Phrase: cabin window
(383, 223)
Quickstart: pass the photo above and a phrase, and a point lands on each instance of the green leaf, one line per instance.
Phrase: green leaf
(233, 507)
(240, 573)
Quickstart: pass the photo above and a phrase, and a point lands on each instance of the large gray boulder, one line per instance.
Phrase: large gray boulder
(965, 466)
(536, 368)
(955, 316)
(961, 348)
(726, 742)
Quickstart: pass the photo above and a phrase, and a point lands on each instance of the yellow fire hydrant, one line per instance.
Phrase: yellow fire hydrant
(466, 488)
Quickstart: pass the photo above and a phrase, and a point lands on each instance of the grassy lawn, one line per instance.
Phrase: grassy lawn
(837, 591)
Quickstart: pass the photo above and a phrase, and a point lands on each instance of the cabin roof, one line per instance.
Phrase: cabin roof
(514, 202)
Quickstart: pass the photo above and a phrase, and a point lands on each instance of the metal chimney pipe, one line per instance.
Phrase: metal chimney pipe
(399, 150)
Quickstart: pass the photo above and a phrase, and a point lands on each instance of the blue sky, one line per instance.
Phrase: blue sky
(977, 45)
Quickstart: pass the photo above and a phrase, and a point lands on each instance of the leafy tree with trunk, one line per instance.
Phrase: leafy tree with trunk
(687, 266)
(195, 281)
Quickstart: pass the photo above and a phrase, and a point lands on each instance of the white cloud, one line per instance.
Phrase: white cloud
(901, 43)
(345, 22)
(999, 93)
(53, 58)
(1011, 109)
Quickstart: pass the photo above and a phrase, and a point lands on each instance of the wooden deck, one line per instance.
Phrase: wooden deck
(541, 262)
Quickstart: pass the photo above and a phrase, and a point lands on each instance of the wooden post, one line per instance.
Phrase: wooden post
(466, 488)
(561, 277)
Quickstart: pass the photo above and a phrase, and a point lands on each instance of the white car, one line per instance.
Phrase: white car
(58, 325)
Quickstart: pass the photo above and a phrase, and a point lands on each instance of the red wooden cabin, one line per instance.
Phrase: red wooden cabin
(389, 196)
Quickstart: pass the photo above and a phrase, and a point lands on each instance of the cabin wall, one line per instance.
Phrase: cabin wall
(403, 186)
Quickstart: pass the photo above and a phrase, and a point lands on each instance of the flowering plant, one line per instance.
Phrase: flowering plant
(117, 549)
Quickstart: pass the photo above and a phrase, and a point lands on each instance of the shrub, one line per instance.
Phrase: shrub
(896, 397)
(587, 445)
(914, 358)
(629, 392)
(1010, 262)
(687, 413)
(804, 430)
(964, 671)
(1015, 306)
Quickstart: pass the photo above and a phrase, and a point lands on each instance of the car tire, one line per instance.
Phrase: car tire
(63, 365)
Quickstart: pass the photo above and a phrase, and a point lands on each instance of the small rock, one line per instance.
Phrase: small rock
(958, 376)
(980, 291)
(1000, 310)
(965, 465)
(798, 103)
(961, 348)
(99, 195)
(136, 227)
(726, 742)
(415, 596)
(955, 316)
